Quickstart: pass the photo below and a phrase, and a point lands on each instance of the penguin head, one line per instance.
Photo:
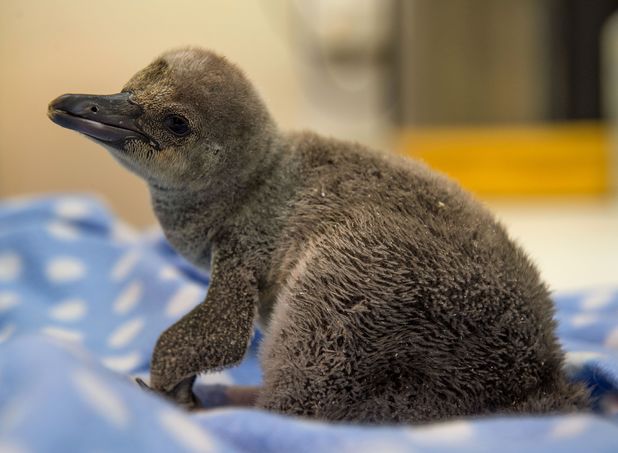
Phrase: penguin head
(187, 121)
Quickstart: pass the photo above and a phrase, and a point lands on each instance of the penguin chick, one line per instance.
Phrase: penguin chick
(385, 292)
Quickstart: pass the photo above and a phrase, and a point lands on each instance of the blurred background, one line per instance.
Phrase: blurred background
(516, 99)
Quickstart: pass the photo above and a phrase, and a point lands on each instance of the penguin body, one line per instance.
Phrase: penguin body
(385, 292)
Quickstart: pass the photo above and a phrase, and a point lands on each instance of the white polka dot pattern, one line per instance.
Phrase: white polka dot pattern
(63, 231)
(584, 319)
(612, 339)
(71, 336)
(12, 447)
(123, 234)
(122, 363)
(451, 433)
(124, 265)
(125, 333)
(184, 300)
(581, 357)
(65, 269)
(72, 208)
(597, 300)
(169, 273)
(128, 299)
(569, 428)
(8, 300)
(185, 432)
(101, 398)
(10, 266)
(6, 332)
(70, 310)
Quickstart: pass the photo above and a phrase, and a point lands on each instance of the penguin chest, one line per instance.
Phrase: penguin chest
(187, 236)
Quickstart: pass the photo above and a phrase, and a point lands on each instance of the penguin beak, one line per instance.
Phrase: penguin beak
(111, 119)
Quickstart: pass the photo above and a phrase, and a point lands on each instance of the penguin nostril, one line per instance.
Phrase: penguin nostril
(94, 109)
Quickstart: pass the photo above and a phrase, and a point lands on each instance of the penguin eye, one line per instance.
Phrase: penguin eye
(177, 125)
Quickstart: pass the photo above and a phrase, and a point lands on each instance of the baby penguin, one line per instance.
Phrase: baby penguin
(385, 292)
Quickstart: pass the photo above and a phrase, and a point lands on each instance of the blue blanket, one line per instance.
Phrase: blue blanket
(83, 299)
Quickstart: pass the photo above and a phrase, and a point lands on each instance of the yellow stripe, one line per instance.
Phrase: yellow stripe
(533, 160)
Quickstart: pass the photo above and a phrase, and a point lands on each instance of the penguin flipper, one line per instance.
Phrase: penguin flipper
(212, 336)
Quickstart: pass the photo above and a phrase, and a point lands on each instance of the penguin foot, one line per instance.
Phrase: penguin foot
(182, 394)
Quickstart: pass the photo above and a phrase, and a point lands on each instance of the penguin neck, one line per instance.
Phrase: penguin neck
(192, 219)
